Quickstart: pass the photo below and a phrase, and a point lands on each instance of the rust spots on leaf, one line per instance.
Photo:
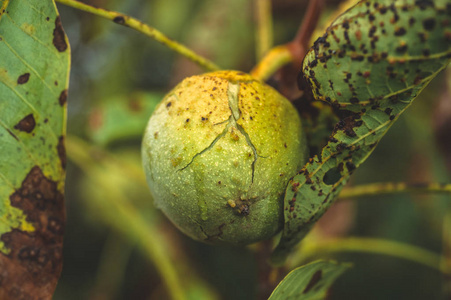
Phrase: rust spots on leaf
(31, 268)
(358, 35)
(400, 31)
(417, 80)
(63, 97)
(429, 24)
(27, 124)
(347, 125)
(59, 38)
(23, 78)
(61, 148)
(313, 281)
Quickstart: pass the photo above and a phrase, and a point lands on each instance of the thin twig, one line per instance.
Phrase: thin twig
(299, 47)
(393, 188)
(301, 41)
(111, 271)
(416, 254)
(141, 27)
(264, 33)
(288, 58)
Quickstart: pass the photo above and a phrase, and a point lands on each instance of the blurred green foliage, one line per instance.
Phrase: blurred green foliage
(110, 63)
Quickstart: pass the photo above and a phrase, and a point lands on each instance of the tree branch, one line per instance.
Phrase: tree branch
(143, 28)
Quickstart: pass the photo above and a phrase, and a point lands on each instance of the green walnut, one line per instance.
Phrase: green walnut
(218, 153)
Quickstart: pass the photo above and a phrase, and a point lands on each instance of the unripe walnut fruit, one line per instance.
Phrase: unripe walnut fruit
(218, 153)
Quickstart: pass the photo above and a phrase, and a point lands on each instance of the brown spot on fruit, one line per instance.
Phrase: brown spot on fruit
(61, 148)
(31, 268)
(27, 124)
(243, 209)
(63, 97)
(59, 38)
(23, 78)
(234, 135)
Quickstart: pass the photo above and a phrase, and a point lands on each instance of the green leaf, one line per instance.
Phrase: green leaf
(34, 66)
(122, 118)
(371, 63)
(309, 282)
(379, 49)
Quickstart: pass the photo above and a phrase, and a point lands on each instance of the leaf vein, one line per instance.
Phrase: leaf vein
(28, 66)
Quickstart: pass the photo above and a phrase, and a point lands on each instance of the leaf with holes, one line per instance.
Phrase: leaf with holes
(310, 281)
(34, 66)
(371, 63)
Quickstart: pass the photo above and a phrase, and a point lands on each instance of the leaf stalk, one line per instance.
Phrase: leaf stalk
(145, 29)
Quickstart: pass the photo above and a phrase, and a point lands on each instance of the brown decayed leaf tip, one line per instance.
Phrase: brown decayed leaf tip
(33, 265)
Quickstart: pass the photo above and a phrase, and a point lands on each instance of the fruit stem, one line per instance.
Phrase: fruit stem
(143, 28)
(287, 58)
(274, 59)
